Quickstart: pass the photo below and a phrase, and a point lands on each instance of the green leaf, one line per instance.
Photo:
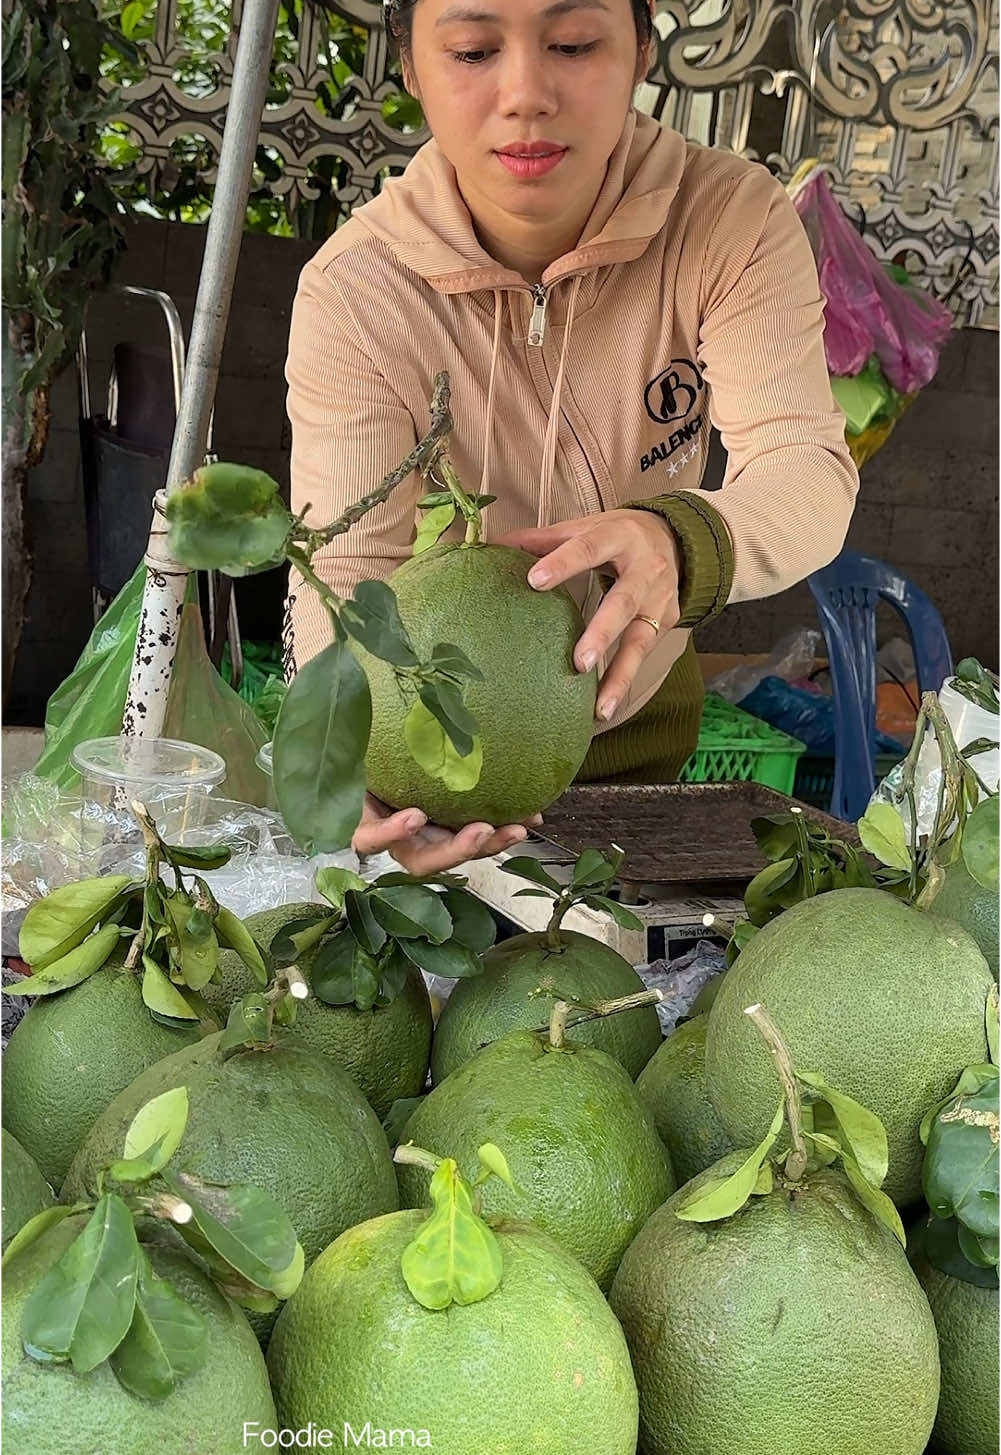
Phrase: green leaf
(334, 883)
(775, 834)
(166, 1341)
(161, 996)
(362, 921)
(495, 1163)
(82, 1308)
(472, 923)
(433, 498)
(373, 618)
(450, 659)
(432, 749)
(451, 960)
(433, 527)
(33, 1229)
(592, 869)
(228, 518)
(299, 937)
(160, 1123)
(526, 867)
(939, 1243)
(241, 1225)
(981, 841)
(862, 1132)
(765, 1182)
(743, 933)
(397, 1117)
(210, 856)
(961, 1166)
(364, 978)
(234, 935)
(408, 911)
(884, 834)
(58, 923)
(454, 1258)
(196, 954)
(319, 750)
(72, 968)
(332, 971)
(622, 916)
(763, 897)
(720, 1197)
(976, 1249)
(393, 974)
(248, 1023)
(873, 1198)
(973, 1078)
(991, 1024)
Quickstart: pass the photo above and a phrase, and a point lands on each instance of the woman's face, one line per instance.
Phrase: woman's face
(526, 98)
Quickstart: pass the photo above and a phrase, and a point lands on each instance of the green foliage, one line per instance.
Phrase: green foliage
(454, 1257)
(593, 877)
(960, 1175)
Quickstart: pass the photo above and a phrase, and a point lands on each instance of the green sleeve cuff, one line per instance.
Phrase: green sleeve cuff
(706, 552)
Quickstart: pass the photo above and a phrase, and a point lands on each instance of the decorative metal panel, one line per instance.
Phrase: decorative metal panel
(897, 98)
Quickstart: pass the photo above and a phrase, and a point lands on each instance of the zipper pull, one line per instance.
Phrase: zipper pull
(537, 325)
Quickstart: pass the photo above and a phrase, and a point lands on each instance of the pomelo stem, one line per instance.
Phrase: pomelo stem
(416, 1157)
(560, 907)
(469, 509)
(559, 1021)
(797, 1158)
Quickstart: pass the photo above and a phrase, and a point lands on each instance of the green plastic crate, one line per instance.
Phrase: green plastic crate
(735, 747)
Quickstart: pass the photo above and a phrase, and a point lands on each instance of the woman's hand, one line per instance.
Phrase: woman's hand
(642, 550)
(426, 848)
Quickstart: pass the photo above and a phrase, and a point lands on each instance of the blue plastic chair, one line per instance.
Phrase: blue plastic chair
(846, 593)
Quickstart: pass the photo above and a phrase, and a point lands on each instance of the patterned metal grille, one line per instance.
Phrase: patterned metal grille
(898, 99)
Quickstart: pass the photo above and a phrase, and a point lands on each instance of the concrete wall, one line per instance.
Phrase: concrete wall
(928, 503)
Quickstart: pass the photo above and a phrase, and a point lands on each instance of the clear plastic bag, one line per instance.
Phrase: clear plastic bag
(791, 657)
(680, 980)
(868, 312)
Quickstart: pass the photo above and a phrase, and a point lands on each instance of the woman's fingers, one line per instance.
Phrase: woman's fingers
(427, 848)
(636, 642)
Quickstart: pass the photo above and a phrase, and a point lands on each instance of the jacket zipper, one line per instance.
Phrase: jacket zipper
(537, 323)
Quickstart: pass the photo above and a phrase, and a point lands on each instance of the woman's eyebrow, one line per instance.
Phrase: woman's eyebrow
(560, 7)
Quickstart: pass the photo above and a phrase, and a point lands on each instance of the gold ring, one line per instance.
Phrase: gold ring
(650, 621)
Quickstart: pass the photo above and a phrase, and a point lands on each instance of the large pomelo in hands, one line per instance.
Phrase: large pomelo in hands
(534, 711)
(883, 1001)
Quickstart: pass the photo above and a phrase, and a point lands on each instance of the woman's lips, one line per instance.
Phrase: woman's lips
(521, 166)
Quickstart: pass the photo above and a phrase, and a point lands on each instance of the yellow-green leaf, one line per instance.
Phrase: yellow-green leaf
(719, 1197)
(883, 833)
(455, 1257)
(430, 746)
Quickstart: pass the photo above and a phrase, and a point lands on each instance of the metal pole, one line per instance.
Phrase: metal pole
(166, 580)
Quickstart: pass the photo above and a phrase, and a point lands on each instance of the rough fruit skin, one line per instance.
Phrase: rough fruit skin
(795, 1327)
(883, 1001)
(385, 1051)
(968, 904)
(966, 1317)
(535, 721)
(583, 1152)
(49, 1410)
(539, 1367)
(672, 1086)
(25, 1190)
(487, 1006)
(288, 1120)
(70, 1055)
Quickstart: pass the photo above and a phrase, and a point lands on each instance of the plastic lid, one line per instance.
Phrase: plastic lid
(164, 762)
(264, 759)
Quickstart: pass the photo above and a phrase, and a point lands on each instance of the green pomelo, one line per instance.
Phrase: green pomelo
(386, 1051)
(883, 1001)
(49, 1410)
(71, 1054)
(970, 905)
(534, 711)
(287, 1119)
(966, 1317)
(503, 998)
(794, 1327)
(538, 1366)
(588, 1165)
(25, 1190)
(672, 1086)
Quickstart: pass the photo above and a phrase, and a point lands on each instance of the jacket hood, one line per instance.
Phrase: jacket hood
(424, 221)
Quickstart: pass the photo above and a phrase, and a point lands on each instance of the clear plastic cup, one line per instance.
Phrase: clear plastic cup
(264, 759)
(172, 778)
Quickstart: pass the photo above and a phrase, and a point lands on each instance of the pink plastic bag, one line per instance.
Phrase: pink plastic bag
(867, 311)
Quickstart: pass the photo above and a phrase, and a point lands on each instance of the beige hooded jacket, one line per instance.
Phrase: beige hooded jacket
(692, 297)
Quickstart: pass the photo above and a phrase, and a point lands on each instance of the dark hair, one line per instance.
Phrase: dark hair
(399, 15)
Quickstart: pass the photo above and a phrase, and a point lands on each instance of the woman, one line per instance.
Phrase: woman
(601, 291)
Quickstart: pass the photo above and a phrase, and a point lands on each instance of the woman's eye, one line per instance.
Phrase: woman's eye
(575, 50)
(469, 58)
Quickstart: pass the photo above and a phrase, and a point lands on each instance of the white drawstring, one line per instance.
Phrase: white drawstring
(489, 432)
(553, 423)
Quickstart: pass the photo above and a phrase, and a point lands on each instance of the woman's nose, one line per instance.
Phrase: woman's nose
(526, 85)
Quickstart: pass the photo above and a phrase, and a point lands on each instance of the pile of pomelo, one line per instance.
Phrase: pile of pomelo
(745, 1239)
